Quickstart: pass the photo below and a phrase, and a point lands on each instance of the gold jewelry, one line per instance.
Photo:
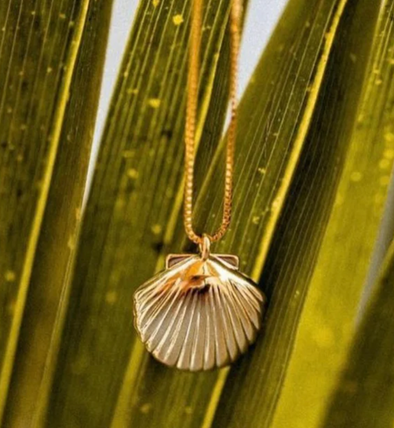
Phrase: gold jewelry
(201, 312)
(191, 114)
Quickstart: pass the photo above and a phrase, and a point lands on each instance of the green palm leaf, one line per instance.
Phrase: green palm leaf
(134, 191)
(313, 164)
(51, 53)
(365, 394)
(332, 308)
(283, 134)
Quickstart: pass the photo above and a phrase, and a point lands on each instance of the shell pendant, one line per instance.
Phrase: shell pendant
(200, 313)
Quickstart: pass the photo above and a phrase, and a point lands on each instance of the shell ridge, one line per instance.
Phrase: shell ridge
(220, 342)
(155, 316)
(247, 298)
(155, 323)
(235, 320)
(253, 312)
(147, 298)
(195, 335)
(150, 286)
(197, 360)
(150, 302)
(171, 353)
(179, 334)
(246, 323)
(209, 350)
(184, 356)
(250, 293)
(229, 335)
(170, 322)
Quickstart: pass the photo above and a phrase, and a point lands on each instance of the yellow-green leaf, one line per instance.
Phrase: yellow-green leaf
(136, 180)
(365, 394)
(51, 53)
(252, 389)
(329, 318)
(271, 135)
(313, 162)
(105, 377)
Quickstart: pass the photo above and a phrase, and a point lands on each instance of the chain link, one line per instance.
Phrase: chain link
(191, 119)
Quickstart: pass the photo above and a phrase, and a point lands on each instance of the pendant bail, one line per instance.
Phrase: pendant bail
(205, 246)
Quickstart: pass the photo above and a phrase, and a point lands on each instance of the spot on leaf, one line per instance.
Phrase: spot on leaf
(177, 19)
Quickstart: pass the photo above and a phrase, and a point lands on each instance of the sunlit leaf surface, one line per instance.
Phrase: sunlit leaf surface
(332, 308)
(365, 395)
(134, 209)
(51, 53)
(313, 162)
(134, 191)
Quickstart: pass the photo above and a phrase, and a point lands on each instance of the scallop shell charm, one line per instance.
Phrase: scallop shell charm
(200, 313)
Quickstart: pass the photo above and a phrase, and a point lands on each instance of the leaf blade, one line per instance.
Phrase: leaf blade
(364, 394)
(8, 348)
(18, 261)
(174, 386)
(352, 232)
(135, 128)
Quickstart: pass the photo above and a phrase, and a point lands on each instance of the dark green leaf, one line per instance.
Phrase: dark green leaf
(50, 70)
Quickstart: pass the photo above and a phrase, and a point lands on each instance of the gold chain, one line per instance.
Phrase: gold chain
(191, 114)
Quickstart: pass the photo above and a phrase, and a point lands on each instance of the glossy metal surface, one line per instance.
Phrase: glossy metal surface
(198, 314)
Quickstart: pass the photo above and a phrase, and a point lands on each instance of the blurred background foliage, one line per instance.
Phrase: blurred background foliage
(313, 214)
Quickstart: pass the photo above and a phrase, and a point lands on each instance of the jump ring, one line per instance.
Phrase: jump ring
(205, 247)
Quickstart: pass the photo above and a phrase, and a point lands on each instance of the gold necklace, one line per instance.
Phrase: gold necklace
(201, 313)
